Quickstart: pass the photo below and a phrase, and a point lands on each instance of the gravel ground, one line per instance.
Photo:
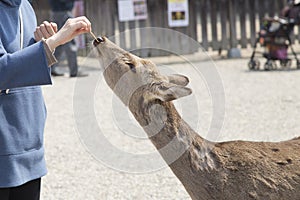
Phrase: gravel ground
(260, 106)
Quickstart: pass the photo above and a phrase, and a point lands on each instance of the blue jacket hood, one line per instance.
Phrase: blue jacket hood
(12, 3)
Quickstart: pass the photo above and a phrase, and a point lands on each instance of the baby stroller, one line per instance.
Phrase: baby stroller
(275, 37)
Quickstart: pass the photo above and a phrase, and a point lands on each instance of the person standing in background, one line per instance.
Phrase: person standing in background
(61, 12)
(292, 12)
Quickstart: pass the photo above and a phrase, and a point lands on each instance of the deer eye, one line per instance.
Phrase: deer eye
(132, 67)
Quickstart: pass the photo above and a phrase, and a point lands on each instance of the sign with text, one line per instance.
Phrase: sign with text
(132, 10)
(178, 13)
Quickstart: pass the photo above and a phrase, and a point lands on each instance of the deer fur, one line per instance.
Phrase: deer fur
(225, 170)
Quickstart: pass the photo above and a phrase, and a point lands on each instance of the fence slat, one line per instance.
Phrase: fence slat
(223, 24)
(132, 27)
(252, 16)
(224, 14)
(109, 17)
(203, 17)
(270, 6)
(122, 37)
(192, 30)
(156, 20)
(232, 24)
(144, 36)
(242, 15)
(214, 30)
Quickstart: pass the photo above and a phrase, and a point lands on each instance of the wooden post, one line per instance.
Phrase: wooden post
(145, 39)
(233, 52)
(242, 13)
(203, 17)
(214, 30)
(252, 17)
(132, 26)
(224, 14)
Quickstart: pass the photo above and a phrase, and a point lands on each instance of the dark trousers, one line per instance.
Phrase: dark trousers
(70, 48)
(28, 191)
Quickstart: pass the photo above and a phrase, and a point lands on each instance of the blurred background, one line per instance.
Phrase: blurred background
(218, 25)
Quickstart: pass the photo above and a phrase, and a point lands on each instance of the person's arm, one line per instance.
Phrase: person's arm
(26, 67)
(29, 66)
(72, 28)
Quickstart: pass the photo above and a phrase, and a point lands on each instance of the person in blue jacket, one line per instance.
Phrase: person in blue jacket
(26, 52)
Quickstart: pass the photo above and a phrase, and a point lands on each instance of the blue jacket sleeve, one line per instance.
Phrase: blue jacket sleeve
(27, 67)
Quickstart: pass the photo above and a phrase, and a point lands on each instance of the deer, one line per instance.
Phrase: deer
(208, 170)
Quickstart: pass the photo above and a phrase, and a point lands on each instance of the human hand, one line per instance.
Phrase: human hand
(45, 30)
(72, 28)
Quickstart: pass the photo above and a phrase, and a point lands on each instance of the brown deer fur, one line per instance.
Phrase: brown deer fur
(227, 170)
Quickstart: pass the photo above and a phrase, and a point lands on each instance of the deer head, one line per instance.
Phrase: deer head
(136, 81)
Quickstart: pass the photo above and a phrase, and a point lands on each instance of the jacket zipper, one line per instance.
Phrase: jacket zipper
(21, 39)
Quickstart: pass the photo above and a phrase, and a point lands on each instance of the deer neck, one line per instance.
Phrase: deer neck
(173, 137)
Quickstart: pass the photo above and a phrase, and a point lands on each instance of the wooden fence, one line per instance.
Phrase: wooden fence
(215, 24)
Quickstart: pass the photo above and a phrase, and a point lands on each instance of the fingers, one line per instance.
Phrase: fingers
(72, 28)
(81, 23)
(54, 26)
(81, 27)
(85, 20)
(45, 30)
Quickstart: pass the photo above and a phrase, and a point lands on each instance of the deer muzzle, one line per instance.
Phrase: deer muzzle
(98, 41)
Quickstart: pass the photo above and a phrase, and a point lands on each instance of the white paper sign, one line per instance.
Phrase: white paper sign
(132, 10)
(178, 13)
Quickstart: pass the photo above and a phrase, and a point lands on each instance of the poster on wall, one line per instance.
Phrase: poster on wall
(178, 13)
(132, 10)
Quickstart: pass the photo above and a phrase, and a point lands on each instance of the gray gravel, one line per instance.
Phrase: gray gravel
(260, 106)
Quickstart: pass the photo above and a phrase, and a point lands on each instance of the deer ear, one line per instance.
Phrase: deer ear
(178, 79)
(169, 92)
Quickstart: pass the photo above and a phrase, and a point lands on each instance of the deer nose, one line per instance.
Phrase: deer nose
(98, 41)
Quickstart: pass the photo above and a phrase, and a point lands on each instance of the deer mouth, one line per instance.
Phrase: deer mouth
(98, 41)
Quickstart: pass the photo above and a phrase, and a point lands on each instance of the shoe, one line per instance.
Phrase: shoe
(54, 73)
(79, 74)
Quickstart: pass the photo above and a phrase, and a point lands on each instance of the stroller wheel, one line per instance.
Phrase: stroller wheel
(298, 64)
(270, 65)
(254, 64)
(286, 63)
